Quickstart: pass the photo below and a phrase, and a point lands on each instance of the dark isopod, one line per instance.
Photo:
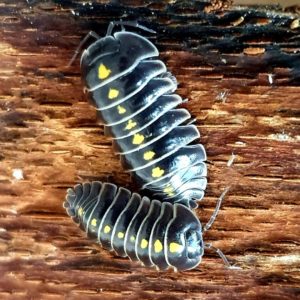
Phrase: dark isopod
(154, 233)
(134, 95)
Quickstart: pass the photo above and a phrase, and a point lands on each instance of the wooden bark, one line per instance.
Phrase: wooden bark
(240, 69)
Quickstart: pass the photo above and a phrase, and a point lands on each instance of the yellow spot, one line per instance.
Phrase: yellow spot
(132, 238)
(157, 172)
(103, 71)
(113, 93)
(148, 155)
(121, 110)
(144, 244)
(138, 139)
(94, 222)
(106, 229)
(169, 190)
(80, 211)
(120, 235)
(174, 247)
(158, 246)
(130, 125)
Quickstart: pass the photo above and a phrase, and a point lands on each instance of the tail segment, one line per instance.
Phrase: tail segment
(73, 194)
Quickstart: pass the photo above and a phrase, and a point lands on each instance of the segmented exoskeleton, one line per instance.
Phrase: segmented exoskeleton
(155, 233)
(134, 96)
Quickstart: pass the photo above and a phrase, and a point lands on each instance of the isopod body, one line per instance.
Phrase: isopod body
(134, 96)
(155, 233)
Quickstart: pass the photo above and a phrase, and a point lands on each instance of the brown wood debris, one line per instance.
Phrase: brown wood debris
(247, 110)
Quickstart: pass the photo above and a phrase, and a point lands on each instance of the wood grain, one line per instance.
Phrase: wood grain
(240, 70)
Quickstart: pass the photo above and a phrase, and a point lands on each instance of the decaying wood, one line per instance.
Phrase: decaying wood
(240, 69)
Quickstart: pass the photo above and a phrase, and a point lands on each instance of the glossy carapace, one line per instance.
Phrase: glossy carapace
(157, 234)
(134, 95)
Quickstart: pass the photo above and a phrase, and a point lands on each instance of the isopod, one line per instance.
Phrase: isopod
(154, 233)
(135, 98)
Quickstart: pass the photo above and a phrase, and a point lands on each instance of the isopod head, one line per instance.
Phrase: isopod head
(183, 240)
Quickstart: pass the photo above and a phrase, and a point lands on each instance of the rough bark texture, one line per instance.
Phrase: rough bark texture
(240, 69)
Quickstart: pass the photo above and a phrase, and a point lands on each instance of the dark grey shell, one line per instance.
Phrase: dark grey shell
(154, 233)
(134, 97)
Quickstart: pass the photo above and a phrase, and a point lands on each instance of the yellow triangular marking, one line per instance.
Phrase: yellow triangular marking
(158, 246)
(169, 190)
(80, 211)
(94, 222)
(144, 244)
(148, 155)
(130, 125)
(113, 93)
(157, 172)
(174, 247)
(121, 110)
(106, 229)
(103, 71)
(138, 139)
(121, 235)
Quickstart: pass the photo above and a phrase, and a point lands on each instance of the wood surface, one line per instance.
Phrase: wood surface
(240, 69)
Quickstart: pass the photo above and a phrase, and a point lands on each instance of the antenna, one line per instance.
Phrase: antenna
(126, 23)
(216, 211)
(83, 41)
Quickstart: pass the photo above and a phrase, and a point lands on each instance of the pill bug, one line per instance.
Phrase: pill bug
(134, 96)
(154, 233)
